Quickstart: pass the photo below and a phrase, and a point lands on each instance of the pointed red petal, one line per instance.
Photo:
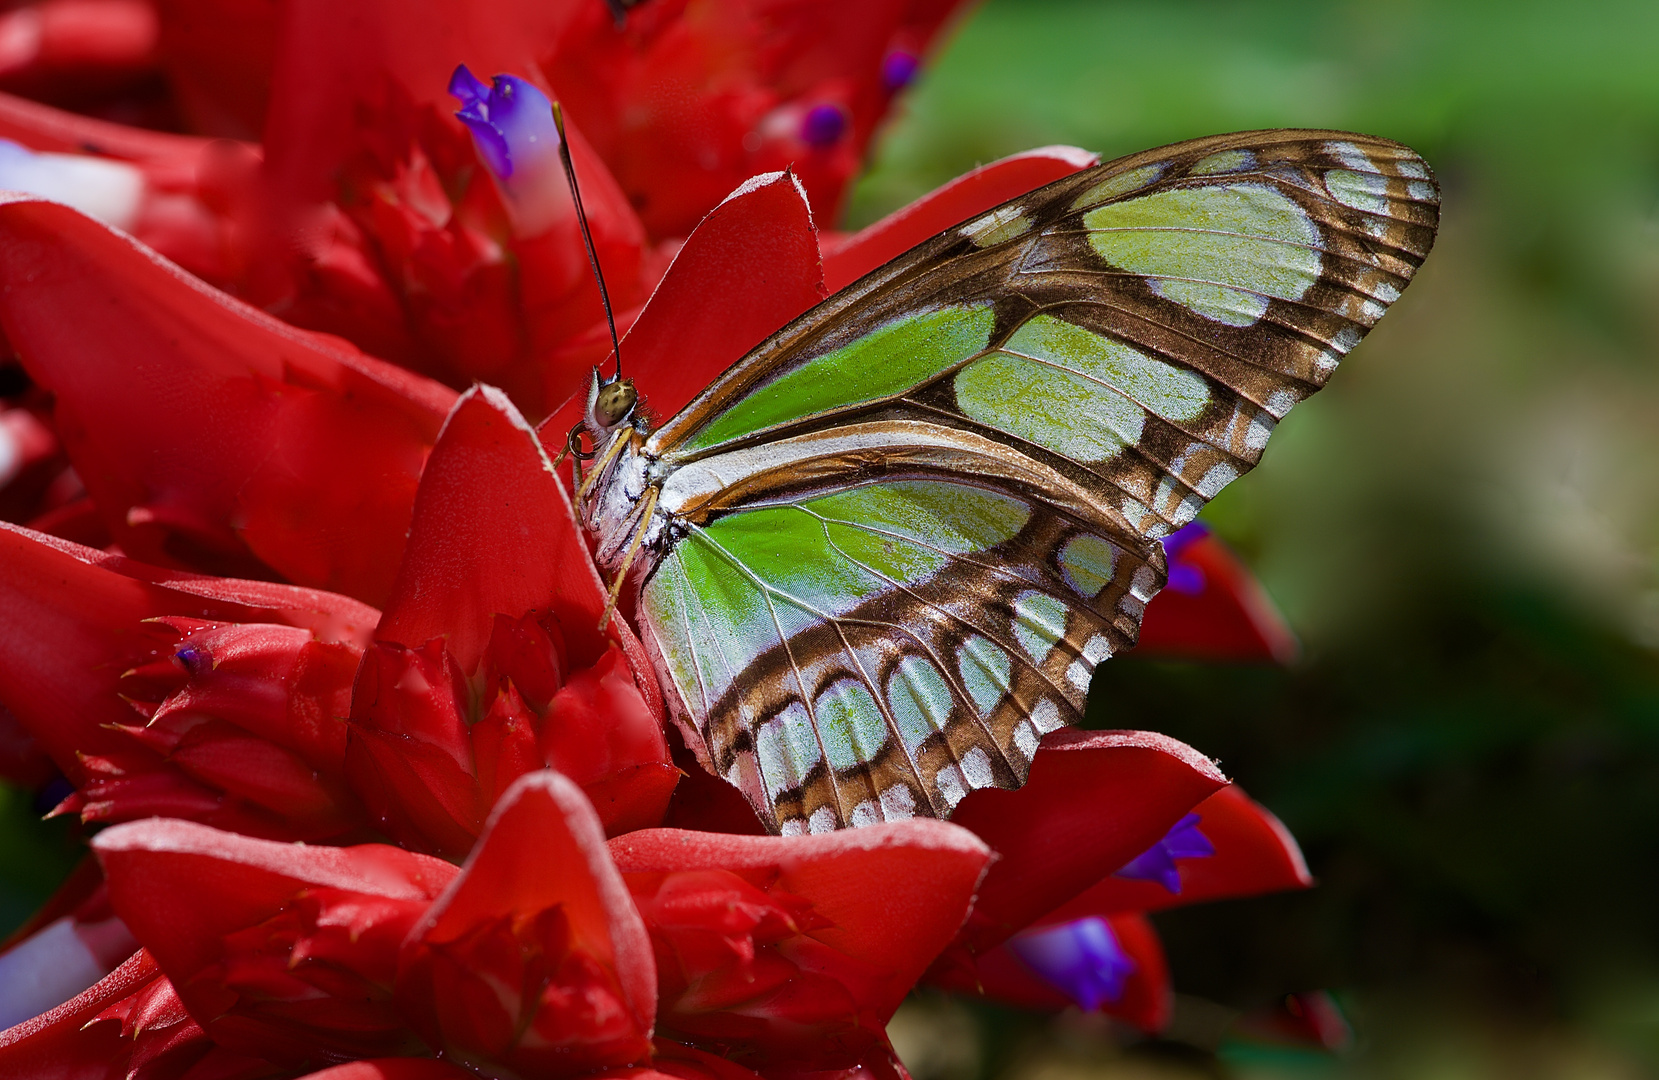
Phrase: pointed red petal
(1229, 618)
(68, 629)
(969, 194)
(205, 430)
(1254, 854)
(492, 533)
(1094, 800)
(748, 268)
(182, 887)
(541, 861)
(892, 895)
(65, 1043)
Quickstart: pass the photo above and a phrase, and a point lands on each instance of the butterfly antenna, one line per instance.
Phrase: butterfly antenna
(587, 236)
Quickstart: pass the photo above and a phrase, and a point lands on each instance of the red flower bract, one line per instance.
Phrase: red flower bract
(483, 715)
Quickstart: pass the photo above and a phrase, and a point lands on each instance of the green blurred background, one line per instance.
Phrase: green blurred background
(1463, 529)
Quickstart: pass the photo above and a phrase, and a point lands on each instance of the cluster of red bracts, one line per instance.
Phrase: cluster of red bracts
(280, 600)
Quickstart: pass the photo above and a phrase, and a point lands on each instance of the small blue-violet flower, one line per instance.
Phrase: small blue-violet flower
(1183, 576)
(1082, 959)
(512, 128)
(898, 68)
(823, 125)
(1157, 863)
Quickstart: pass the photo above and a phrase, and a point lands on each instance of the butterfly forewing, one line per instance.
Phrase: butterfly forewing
(910, 523)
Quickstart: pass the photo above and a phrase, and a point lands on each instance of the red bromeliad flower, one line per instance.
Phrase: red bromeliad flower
(366, 212)
(341, 602)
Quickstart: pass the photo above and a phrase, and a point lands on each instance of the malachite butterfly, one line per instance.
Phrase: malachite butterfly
(879, 558)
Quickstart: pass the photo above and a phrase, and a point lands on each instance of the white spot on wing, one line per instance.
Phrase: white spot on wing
(822, 820)
(865, 814)
(1001, 224)
(1025, 738)
(1218, 477)
(1046, 716)
(898, 804)
(951, 788)
(976, 768)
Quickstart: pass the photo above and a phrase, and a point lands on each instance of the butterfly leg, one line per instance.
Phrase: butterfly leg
(619, 440)
(648, 506)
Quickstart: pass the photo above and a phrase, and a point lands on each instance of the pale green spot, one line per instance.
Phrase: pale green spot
(1113, 186)
(954, 518)
(787, 749)
(920, 700)
(1225, 162)
(1074, 391)
(1222, 252)
(985, 670)
(850, 724)
(883, 363)
(1086, 564)
(1039, 622)
(1362, 191)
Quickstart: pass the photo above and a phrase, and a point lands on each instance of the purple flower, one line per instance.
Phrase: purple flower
(1081, 959)
(510, 119)
(1157, 863)
(897, 69)
(513, 130)
(1184, 577)
(823, 126)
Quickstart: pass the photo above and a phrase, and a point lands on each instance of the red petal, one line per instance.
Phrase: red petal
(1146, 1001)
(236, 923)
(492, 533)
(689, 100)
(393, 1069)
(218, 55)
(181, 887)
(712, 305)
(207, 431)
(41, 127)
(1254, 854)
(1230, 619)
(599, 733)
(890, 896)
(969, 194)
(68, 629)
(541, 862)
(65, 1043)
(1094, 801)
(329, 69)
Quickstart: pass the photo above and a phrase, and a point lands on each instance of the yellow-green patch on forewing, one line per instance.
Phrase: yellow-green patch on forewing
(1075, 392)
(897, 537)
(889, 360)
(1222, 251)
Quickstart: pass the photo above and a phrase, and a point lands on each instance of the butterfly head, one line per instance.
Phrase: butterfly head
(610, 404)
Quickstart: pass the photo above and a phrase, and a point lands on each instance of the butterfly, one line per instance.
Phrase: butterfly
(878, 558)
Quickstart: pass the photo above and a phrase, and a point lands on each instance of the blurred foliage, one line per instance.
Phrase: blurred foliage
(1464, 528)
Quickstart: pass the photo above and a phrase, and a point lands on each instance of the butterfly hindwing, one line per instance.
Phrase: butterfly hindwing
(877, 651)
(1096, 359)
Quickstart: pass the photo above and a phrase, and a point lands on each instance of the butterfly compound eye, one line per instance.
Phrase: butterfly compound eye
(615, 401)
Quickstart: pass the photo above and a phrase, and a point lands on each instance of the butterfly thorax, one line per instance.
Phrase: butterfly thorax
(612, 498)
